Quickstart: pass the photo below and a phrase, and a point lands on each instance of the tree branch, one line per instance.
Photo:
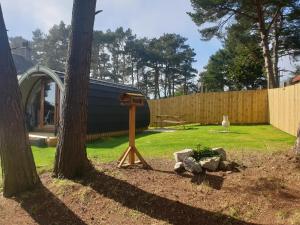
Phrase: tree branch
(238, 12)
(98, 11)
(277, 13)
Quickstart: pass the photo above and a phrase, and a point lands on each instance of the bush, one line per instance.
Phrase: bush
(203, 151)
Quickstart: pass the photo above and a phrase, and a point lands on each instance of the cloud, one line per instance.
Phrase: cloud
(147, 18)
(24, 16)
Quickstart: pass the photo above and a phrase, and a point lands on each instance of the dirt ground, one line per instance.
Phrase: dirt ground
(265, 191)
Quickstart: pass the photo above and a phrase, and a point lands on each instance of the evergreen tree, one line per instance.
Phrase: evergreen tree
(18, 167)
(71, 158)
(267, 17)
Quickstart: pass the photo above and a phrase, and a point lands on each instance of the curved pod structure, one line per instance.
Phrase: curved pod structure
(42, 90)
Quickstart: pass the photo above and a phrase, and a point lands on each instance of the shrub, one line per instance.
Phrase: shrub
(203, 151)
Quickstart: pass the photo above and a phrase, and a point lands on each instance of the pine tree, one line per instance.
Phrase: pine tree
(18, 167)
(71, 159)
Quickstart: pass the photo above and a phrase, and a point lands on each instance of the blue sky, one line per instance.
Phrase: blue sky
(147, 18)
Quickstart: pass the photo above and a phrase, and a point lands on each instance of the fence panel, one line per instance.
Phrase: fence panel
(242, 107)
(284, 108)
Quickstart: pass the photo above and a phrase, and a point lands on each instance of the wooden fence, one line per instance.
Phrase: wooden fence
(242, 107)
(284, 108)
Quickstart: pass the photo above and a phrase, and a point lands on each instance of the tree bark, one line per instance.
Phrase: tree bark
(18, 167)
(156, 83)
(265, 45)
(71, 158)
(277, 28)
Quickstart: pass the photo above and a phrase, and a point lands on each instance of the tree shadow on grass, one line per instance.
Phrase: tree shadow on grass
(112, 142)
(45, 208)
(173, 212)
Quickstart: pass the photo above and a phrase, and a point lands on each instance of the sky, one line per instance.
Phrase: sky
(147, 18)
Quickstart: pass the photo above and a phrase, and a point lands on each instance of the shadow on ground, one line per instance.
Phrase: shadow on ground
(173, 212)
(106, 143)
(211, 180)
(45, 208)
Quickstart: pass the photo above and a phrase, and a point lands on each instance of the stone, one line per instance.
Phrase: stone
(179, 168)
(191, 165)
(181, 155)
(222, 153)
(225, 166)
(210, 163)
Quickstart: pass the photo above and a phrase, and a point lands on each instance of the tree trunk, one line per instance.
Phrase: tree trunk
(146, 83)
(265, 45)
(277, 28)
(18, 168)
(138, 77)
(156, 83)
(297, 145)
(71, 159)
(165, 86)
(132, 73)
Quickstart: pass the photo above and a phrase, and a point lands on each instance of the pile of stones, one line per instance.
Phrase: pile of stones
(185, 162)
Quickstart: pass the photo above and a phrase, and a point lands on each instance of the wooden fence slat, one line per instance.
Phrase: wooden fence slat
(208, 108)
(279, 107)
(284, 106)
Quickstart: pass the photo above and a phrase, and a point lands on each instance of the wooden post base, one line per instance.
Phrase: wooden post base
(131, 151)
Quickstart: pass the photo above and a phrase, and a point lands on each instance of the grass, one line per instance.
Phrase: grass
(262, 138)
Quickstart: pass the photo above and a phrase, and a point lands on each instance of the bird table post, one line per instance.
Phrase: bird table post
(132, 100)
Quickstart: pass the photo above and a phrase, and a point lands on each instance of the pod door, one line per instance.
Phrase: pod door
(43, 106)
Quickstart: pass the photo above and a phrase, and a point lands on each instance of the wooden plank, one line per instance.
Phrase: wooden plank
(208, 108)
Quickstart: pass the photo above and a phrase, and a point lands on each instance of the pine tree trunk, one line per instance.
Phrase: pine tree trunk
(132, 74)
(71, 159)
(265, 45)
(137, 78)
(156, 83)
(18, 167)
(277, 27)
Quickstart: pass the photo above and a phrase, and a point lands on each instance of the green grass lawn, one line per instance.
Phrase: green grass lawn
(252, 138)
(262, 138)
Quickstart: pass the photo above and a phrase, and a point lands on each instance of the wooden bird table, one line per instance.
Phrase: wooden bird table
(132, 100)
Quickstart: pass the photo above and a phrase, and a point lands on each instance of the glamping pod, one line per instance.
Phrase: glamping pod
(42, 90)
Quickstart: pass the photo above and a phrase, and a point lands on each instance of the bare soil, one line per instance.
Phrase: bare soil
(264, 191)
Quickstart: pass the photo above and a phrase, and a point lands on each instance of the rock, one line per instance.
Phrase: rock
(210, 163)
(179, 168)
(221, 152)
(190, 164)
(225, 165)
(181, 155)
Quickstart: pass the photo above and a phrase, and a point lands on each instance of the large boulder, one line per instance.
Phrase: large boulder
(191, 165)
(179, 168)
(181, 155)
(221, 152)
(210, 163)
